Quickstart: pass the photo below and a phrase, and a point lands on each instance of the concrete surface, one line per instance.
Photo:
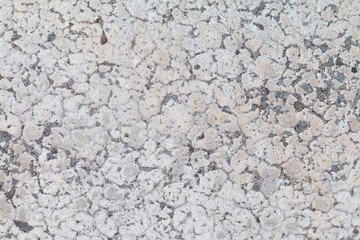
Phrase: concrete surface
(147, 119)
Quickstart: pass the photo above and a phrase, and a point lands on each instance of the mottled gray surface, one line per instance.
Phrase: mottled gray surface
(146, 119)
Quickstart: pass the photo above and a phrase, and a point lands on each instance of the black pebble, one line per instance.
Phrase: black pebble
(354, 70)
(197, 66)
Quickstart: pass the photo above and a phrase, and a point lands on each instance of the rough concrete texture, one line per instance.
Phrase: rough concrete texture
(202, 119)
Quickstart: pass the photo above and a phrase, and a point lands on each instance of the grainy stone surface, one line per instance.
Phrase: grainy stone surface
(147, 119)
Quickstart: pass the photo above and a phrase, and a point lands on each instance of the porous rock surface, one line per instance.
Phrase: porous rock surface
(148, 119)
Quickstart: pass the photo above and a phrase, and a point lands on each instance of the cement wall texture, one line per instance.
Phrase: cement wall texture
(180, 119)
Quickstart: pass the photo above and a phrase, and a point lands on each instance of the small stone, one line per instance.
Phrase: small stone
(197, 66)
(354, 70)
(299, 106)
(355, 231)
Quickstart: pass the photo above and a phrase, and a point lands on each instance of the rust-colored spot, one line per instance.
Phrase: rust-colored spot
(103, 39)
(262, 107)
(208, 20)
(355, 231)
(191, 148)
(97, 124)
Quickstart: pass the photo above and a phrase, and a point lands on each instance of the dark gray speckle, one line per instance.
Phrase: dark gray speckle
(51, 37)
(340, 77)
(124, 186)
(299, 106)
(201, 137)
(310, 44)
(226, 109)
(50, 156)
(26, 82)
(15, 37)
(287, 133)
(282, 95)
(47, 131)
(324, 47)
(301, 126)
(349, 42)
(323, 93)
(261, 27)
(162, 205)
(5, 136)
(73, 162)
(237, 134)
(341, 98)
(335, 168)
(11, 193)
(23, 226)
(329, 63)
(146, 169)
(265, 91)
(339, 62)
(334, 8)
(256, 187)
(277, 109)
(167, 152)
(257, 11)
(357, 96)
(307, 88)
